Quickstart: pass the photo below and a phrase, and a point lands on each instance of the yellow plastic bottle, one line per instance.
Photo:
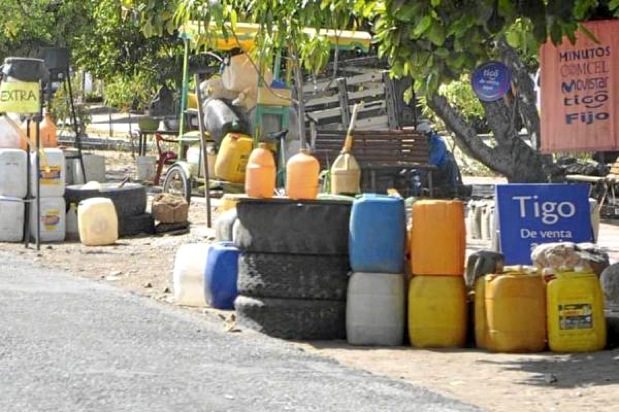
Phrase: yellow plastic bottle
(437, 315)
(229, 201)
(345, 174)
(302, 172)
(232, 157)
(515, 305)
(575, 309)
(260, 173)
(481, 323)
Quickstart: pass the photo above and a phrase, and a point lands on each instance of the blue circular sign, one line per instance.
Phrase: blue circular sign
(491, 81)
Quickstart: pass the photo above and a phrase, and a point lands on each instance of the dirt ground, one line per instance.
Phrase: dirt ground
(496, 382)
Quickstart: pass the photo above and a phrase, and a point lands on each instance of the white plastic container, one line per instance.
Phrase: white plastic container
(94, 166)
(188, 274)
(146, 168)
(52, 173)
(13, 174)
(194, 158)
(71, 225)
(97, 222)
(11, 219)
(52, 217)
(375, 309)
(9, 137)
(486, 221)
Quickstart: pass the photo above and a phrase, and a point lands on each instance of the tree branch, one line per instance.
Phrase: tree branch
(464, 135)
(525, 90)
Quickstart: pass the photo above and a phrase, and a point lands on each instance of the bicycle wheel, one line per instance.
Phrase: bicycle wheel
(177, 182)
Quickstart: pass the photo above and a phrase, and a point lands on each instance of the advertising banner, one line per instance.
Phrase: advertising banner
(579, 91)
(532, 214)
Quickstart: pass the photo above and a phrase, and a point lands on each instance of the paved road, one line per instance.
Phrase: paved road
(68, 344)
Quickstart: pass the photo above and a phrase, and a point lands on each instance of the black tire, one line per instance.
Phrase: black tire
(267, 275)
(129, 200)
(224, 224)
(612, 328)
(136, 225)
(292, 319)
(177, 182)
(308, 227)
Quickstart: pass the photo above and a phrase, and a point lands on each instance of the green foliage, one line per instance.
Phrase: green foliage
(25, 26)
(118, 45)
(60, 106)
(281, 21)
(460, 96)
(438, 41)
(129, 92)
(104, 38)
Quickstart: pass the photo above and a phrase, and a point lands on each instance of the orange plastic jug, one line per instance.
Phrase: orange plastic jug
(260, 173)
(438, 238)
(302, 171)
(48, 131)
(23, 144)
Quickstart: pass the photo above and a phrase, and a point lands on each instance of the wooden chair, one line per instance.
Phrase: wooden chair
(166, 155)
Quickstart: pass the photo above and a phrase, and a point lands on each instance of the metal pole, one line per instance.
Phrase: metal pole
(204, 162)
(37, 165)
(181, 127)
(78, 139)
(28, 204)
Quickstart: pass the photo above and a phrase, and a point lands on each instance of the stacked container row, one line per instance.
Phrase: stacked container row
(13, 190)
(517, 311)
(437, 311)
(376, 304)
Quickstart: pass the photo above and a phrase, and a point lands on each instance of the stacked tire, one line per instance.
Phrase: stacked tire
(293, 267)
(129, 200)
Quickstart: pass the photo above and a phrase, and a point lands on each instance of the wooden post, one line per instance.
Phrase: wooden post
(342, 94)
(391, 101)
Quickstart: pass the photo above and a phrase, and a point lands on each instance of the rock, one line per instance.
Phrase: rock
(609, 280)
(166, 290)
(148, 285)
(595, 256)
(167, 208)
(549, 378)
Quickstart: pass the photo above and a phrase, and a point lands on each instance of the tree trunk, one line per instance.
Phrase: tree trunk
(509, 155)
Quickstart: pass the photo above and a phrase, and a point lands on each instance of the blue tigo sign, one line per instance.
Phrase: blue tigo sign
(491, 81)
(531, 214)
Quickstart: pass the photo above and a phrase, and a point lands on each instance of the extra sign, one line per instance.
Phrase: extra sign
(531, 214)
(19, 97)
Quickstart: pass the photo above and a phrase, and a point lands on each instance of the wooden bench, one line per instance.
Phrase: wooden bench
(382, 155)
(602, 189)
